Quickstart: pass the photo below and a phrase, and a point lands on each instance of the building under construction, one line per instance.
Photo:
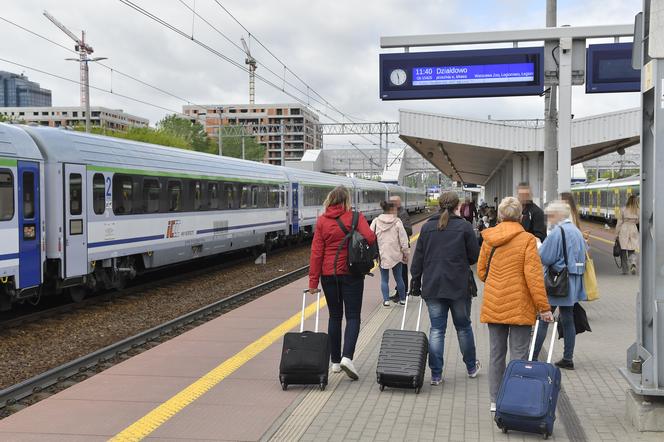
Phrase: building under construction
(299, 126)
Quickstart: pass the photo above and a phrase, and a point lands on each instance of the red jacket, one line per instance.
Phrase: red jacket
(327, 237)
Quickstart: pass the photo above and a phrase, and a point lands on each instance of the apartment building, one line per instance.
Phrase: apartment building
(57, 116)
(17, 91)
(300, 126)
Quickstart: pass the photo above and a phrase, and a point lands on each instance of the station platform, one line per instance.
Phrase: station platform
(220, 382)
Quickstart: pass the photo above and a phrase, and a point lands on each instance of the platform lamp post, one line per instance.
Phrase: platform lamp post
(85, 77)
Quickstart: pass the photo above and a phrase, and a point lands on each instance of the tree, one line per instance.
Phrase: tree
(192, 132)
(3, 118)
(232, 145)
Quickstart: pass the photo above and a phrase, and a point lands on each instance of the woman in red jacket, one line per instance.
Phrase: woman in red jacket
(342, 289)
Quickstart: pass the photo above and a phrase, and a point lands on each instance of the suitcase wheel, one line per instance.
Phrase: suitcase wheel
(322, 386)
(284, 386)
(417, 390)
(546, 435)
(504, 430)
(382, 387)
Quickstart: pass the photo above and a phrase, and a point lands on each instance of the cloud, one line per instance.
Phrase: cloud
(333, 46)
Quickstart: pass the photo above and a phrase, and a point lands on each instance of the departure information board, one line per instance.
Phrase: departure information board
(456, 74)
(609, 69)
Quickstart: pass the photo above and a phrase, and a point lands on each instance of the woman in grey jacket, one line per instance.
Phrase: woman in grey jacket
(551, 253)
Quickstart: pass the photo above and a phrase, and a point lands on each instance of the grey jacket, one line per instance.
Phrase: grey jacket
(405, 220)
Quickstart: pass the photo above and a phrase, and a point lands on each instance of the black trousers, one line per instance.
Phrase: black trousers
(343, 293)
(404, 273)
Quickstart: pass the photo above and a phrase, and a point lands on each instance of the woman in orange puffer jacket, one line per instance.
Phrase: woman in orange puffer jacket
(514, 290)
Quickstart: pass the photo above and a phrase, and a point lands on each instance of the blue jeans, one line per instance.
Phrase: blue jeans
(385, 282)
(343, 291)
(438, 309)
(569, 331)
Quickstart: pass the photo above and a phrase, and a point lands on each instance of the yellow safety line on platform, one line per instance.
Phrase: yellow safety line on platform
(598, 238)
(160, 415)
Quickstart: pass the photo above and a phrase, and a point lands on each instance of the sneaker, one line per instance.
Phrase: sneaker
(402, 302)
(386, 303)
(336, 367)
(348, 367)
(492, 407)
(436, 380)
(473, 373)
(564, 363)
(394, 298)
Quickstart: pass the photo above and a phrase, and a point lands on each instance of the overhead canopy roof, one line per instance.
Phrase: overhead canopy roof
(471, 150)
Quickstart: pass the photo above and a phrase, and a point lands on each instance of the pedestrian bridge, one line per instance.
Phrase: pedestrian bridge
(499, 154)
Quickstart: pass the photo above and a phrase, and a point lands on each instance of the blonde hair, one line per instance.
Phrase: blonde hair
(338, 195)
(448, 203)
(559, 206)
(633, 203)
(509, 209)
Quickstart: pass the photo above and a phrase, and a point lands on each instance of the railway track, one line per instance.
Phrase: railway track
(32, 390)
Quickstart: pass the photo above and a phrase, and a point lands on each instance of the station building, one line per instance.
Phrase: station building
(300, 123)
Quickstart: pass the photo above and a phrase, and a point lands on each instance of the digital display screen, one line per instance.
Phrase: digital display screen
(473, 74)
(609, 69)
(461, 74)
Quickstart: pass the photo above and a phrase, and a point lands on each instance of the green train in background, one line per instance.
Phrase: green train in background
(602, 200)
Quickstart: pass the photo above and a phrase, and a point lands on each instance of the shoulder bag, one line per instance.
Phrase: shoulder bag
(557, 283)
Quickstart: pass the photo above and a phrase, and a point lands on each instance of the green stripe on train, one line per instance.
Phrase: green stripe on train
(178, 175)
(7, 162)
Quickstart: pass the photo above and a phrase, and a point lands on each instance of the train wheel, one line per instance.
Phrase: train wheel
(77, 294)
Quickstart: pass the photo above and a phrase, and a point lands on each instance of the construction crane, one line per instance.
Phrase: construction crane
(251, 62)
(83, 50)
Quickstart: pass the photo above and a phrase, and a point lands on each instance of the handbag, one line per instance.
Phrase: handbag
(617, 250)
(590, 280)
(472, 285)
(557, 283)
(581, 324)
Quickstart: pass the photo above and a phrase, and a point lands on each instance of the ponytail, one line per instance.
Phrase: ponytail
(448, 202)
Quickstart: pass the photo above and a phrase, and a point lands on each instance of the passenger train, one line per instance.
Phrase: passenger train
(604, 199)
(81, 212)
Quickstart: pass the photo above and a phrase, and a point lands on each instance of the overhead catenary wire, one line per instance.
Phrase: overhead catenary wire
(100, 89)
(112, 69)
(225, 58)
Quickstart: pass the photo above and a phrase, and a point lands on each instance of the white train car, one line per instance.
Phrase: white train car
(367, 197)
(603, 199)
(126, 206)
(22, 217)
(415, 200)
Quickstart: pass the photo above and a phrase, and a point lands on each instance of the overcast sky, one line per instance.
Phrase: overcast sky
(332, 45)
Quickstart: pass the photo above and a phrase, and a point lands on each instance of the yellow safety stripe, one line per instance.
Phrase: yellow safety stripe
(160, 415)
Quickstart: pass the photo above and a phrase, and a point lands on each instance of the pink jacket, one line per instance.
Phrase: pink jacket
(392, 240)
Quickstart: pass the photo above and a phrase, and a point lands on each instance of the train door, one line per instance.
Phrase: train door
(75, 222)
(295, 208)
(29, 224)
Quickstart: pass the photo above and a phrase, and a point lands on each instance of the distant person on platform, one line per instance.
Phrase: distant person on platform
(468, 210)
(627, 231)
(405, 220)
(532, 217)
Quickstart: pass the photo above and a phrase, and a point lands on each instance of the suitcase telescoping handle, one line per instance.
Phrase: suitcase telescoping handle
(304, 307)
(419, 314)
(553, 340)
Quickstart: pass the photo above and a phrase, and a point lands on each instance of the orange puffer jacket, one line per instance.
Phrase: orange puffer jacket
(514, 289)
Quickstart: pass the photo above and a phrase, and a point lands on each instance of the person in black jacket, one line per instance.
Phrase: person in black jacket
(532, 217)
(440, 272)
(405, 220)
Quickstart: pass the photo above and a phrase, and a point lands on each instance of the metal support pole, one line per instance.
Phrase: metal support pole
(565, 117)
(283, 143)
(221, 143)
(243, 148)
(644, 368)
(550, 122)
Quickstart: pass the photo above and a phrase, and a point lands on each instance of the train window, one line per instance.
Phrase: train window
(273, 196)
(98, 194)
(75, 197)
(151, 195)
(6, 195)
(602, 198)
(123, 192)
(213, 195)
(255, 194)
(245, 201)
(28, 195)
(174, 196)
(196, 192)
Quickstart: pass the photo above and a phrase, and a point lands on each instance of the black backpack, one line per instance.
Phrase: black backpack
(361, 255)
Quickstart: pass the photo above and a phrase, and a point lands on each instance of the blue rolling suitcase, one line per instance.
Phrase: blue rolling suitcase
(528, 394)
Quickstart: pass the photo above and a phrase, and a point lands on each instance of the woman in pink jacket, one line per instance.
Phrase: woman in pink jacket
(393, 250)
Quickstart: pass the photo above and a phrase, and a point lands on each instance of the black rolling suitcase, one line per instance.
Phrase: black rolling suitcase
(305, 357)
(403, 356)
